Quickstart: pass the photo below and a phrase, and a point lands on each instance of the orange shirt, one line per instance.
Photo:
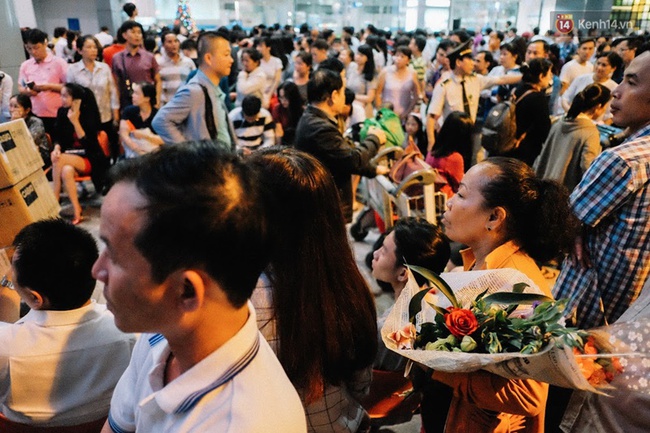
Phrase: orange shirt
(486, 402)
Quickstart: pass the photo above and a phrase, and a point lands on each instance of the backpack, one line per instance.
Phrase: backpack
(499, 132)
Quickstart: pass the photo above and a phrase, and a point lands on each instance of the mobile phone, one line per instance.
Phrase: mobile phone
(31, 84)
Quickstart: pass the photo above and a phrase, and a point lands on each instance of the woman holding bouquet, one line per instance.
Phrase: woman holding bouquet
(313, 306)
(509, 218)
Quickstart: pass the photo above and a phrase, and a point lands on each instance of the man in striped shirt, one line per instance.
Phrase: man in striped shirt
(174, 66)
(254, 126)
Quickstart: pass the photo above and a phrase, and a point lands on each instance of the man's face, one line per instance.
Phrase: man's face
(220, 59)
(338, 100)
(138, 303)
(171, 45)
(494, 42)
(535, 51)
(585, 51)
(625, 52)
(133, 36)
(466, 65)
(631, 104)
(37, 51)
(480, 64)
(318, 55)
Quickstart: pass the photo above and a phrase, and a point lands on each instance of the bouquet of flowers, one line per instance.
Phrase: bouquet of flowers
(501, 322)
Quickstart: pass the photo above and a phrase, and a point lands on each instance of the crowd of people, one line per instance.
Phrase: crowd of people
(225, 210)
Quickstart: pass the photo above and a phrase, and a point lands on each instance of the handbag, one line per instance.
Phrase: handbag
(411, 161)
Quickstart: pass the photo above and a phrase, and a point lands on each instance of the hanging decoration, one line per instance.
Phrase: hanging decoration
(184, 17)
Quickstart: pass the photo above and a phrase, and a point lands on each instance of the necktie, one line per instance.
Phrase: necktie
(465, 101)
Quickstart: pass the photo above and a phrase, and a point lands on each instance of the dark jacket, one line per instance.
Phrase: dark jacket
(534, 119)
(319, 135)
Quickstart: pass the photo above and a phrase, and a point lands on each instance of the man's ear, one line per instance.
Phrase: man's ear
(403, 275)
(36, 300)
(192, 290)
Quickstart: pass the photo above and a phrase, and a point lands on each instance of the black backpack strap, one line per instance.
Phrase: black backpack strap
(209, 114)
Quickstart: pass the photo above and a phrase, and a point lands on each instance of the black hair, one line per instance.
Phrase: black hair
(462, 35)
(326, 33)
(60, 31)
(24, 101)
(149, 44)
(403, 50)
(82, 40)
(369, 69)
(55, 259)
(35, 36)
(488, 57)
(149, 91)
(129, 9)
(538, 215)
(455, 135)
(532, 70)
(129, 25)
(348, 30)
(251, 105)
(253, 54)
(591, 96)
(581, 42)
(333, 64)
(444, 45)
(304, 214)
(320, 44)
(420, 138)
(199, 196)
(321, 84)
(295, 110)
(305, 57)
(512, 49)
(205, 43)
(89, 116)
(189, 44)
(420, 243)
(615, 61)
(349, 96)
(420, 42)
(164, 34)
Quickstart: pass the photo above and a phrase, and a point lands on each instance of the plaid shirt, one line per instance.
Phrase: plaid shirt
(613, 203)
(339, 410)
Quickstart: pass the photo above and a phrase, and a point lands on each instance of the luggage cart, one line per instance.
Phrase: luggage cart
(414, 196)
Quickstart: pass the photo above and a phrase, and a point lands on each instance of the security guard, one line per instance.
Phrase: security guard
(461, 91)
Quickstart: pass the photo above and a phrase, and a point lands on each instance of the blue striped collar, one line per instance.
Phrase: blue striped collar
(214, 371)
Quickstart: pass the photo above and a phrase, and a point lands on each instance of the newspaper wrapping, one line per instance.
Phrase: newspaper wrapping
(554, 364)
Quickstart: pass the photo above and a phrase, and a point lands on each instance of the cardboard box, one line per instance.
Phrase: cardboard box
(29, 200)
(19, 156)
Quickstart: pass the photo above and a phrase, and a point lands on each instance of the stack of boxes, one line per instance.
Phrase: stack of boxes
(25, 194)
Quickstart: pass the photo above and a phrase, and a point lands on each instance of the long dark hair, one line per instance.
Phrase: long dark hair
(326, 322)
(455, 136)
(539, 218)
(292, 94)
(591, 96)
(89, 116)
(369, 69)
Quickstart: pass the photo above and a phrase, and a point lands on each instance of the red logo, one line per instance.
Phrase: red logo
(564, 23)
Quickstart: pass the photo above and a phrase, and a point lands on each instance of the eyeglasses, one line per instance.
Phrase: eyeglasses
(4, 282)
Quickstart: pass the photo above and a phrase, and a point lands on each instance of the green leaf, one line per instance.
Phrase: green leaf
(439, 310)
(438, 282)
(508, 298)
(415, 306)
(519, 287)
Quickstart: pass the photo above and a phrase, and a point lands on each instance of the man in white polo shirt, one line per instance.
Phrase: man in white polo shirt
(185, 244)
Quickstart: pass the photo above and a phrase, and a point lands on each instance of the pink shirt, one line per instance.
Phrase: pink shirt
(51, 70)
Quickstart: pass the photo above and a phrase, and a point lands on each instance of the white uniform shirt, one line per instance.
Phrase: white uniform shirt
(448, 95)
(239, 388)
(60, 367)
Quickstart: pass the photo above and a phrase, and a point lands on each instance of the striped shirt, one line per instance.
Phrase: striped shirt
(613, 203)
(173, 75)
(253, 135)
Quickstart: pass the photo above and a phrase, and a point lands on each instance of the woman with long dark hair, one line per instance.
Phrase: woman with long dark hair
(313, 305)
(362, 79)
(76, 149)
(287, 113)
(453, 147)
(20, 107)
(574, 140)
(533, 116)
(302, 64)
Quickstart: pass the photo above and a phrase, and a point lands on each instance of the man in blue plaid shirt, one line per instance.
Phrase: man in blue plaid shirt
(612, 259)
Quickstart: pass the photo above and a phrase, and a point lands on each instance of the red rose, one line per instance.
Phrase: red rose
(460, 322)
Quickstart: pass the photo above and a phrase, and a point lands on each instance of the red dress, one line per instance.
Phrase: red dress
(451, 167)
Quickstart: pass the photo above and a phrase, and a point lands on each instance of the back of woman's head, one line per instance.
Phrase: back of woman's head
(538, 216)
(590, 97)
(455, 134)
(534, 70)
(313, 273)
(420, 243)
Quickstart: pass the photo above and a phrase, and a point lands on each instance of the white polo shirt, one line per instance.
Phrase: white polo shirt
(59, 368)
(571, 70)
(239, 388)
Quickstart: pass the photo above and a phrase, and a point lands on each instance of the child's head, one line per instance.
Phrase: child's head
(52, 265)
(413, 125)
(250, 107)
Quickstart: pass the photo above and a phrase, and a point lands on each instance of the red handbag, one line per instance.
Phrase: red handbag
(411, 161)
